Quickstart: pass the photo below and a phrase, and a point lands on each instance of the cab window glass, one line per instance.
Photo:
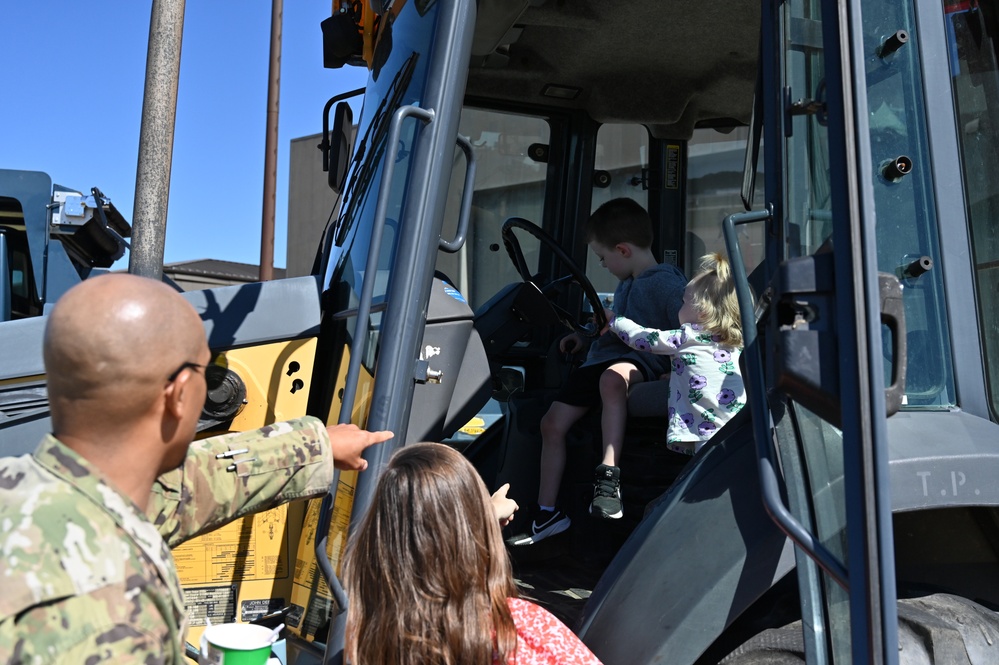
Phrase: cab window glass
(714, 191)
(906, 209)
(509, 182)
(23, 299)
(622, 153)
(973, 29)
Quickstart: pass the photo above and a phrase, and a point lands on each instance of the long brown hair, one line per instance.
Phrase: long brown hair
(426, 573)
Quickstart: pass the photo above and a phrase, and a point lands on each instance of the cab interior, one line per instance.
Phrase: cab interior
(548, 169)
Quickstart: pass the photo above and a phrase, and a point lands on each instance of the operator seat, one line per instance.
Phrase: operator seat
(649, 399)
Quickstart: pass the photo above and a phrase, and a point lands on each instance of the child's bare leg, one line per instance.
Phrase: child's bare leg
(554, 426)
(614, 383)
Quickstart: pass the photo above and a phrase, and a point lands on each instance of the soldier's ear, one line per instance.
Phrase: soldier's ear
(174, 395)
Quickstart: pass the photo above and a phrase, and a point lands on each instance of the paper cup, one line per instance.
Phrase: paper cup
(236, 644)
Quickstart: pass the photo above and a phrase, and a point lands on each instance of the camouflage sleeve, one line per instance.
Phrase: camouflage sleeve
(228, 476)
(127, 646)
(89, 628)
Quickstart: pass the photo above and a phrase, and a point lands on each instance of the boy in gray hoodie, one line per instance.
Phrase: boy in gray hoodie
(620, 234)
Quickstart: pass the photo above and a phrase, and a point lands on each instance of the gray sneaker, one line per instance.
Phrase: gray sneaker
(606, 502)
(546, 523)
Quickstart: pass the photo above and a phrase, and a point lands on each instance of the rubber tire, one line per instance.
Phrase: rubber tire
(774, 646)
(940, 629)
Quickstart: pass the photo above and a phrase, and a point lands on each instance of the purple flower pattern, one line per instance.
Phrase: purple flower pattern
(706, 406)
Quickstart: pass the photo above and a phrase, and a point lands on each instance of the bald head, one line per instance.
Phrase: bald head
(110, 344)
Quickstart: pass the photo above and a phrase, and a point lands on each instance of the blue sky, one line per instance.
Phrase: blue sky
(73, 75)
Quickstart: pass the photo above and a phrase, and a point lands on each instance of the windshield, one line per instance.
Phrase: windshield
(397, 78)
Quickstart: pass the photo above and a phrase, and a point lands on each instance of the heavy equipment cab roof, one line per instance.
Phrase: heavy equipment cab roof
(688, 64)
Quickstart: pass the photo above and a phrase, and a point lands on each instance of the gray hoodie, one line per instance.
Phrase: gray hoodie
(652, 300)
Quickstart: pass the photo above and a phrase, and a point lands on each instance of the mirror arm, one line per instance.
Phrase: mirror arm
(325, 145)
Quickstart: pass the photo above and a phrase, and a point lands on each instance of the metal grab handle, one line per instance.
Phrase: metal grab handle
(465, 211)
(338, 621)
(360, 341)
(757, 398)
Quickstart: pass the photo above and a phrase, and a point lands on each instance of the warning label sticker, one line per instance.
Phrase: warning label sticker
(672, 167)
(217, 603)
(247, 549)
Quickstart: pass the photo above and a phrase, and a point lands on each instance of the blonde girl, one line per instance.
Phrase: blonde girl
(706, 387)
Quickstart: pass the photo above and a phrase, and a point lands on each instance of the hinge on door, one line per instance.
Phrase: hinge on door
(816, 106)
(806, 107)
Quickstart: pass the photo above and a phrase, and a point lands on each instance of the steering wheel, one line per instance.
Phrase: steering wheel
(555, 286)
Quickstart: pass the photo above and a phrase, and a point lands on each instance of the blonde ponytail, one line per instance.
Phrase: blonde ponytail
(715, 300)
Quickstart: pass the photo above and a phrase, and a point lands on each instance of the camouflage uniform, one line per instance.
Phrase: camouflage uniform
(85, 577)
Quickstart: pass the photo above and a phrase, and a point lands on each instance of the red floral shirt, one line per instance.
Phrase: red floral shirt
(544, 640)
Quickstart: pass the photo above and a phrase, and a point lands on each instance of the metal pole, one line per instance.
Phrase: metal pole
(159, 112)
(270, 147)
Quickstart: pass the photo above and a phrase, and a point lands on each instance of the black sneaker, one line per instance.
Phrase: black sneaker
(546, 523)
(606, 502)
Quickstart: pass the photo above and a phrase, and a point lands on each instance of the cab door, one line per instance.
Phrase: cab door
(817, 358)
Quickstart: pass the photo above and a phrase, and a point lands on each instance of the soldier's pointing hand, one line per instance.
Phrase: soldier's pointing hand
(349, 441)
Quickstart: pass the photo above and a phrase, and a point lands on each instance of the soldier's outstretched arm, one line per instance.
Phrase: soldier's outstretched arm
(228, 476)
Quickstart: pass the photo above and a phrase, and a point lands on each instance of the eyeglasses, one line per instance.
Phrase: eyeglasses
(187, 365)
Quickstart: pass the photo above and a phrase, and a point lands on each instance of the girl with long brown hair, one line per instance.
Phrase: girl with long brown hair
(429, 580)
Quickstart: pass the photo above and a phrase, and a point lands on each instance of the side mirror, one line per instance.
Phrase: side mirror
(340, 145)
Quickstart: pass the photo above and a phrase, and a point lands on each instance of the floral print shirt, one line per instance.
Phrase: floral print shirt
(544, 640)
(705, 381)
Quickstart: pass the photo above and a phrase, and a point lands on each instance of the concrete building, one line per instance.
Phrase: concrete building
(310, 201)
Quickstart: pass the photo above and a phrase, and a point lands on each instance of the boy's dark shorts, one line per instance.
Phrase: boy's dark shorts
(582, 387)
